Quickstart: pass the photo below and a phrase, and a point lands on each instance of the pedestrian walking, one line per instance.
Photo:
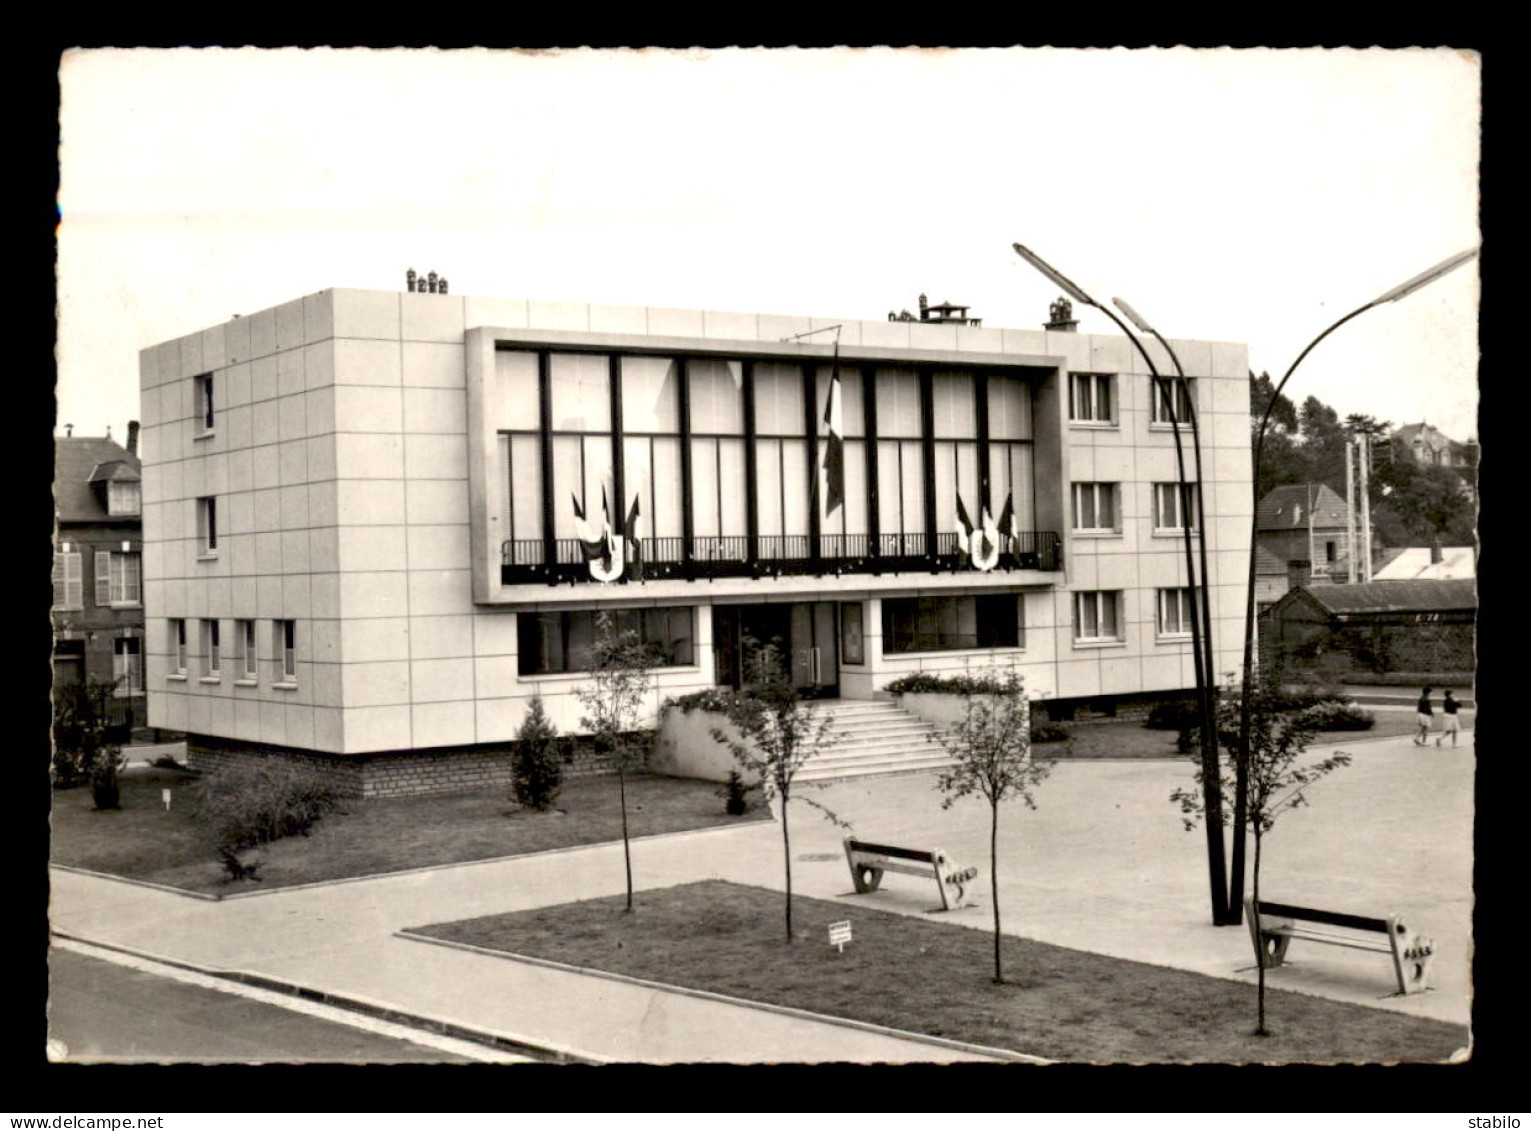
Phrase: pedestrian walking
(1449, 723)
(1424, 718)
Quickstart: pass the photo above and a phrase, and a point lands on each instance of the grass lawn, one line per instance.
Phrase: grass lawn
(365, 837)
(1134, 740)
(934, 978)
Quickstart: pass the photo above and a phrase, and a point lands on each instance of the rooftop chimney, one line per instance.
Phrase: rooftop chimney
(1435, 552)
(132, 437)
(1060, 317)
(69, 430)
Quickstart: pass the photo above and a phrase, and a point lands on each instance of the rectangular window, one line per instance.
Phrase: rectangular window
(555, 643)
(1095, 509)
(202, 390)
(852, 633)
(1169, 514)
(1097, 615)
(68, 588)
(127, 667)
(1174, 612)
(284, 635)
(210, 649)
(245, 638)
(118, 578)
(945, 624)
(178, 645)
(207, 526)
(124, 497)
(1090, 400)
(1171, 401)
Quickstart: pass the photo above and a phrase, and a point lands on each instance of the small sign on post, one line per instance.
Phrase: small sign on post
(840, 934)
(164, 795)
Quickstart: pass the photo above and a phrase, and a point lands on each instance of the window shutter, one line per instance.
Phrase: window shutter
(59, 597)
(74, 582)
(103, 577)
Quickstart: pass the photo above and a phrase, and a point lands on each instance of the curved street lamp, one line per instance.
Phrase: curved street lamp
(1201, 620)
(1241, 762)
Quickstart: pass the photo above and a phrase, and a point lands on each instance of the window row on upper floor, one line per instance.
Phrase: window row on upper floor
(1094, 400)
(118, 576)
(1097, 508)
(212, 651)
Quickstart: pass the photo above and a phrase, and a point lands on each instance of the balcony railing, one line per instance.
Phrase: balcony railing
(523, 561)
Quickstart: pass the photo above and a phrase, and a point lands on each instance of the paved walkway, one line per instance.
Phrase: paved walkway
(1103, 865)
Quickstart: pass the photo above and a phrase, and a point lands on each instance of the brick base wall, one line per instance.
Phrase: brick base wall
(1109, 708)
(402, 773)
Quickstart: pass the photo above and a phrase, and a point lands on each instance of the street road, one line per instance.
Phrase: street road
(102, 1011)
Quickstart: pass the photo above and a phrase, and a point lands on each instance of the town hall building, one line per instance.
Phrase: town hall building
(377, 525)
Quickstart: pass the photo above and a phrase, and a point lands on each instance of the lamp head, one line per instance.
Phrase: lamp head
(1424, 279)
(1061, 280)
(1132, 315)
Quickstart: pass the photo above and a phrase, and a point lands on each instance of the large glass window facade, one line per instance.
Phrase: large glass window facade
(714, 450)
(552, 643)
(945, 624)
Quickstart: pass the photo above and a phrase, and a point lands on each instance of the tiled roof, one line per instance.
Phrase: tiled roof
(1268, 563)
(1286, 508)
(77, 462)
(1396, 596)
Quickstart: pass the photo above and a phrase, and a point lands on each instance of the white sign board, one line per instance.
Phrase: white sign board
(840, 934)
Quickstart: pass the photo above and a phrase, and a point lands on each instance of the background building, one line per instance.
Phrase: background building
(375, 521)
(98, 612)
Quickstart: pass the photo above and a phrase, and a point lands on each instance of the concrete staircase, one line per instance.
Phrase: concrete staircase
(870, 737)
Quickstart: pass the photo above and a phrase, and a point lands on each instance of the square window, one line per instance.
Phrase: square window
(1172, 401)
(1097, 616)
(1095, 509)
(1090, 399)
(1174, 612)
(1169, 514)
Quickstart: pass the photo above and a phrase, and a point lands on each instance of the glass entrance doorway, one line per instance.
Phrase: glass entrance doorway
(805, 632)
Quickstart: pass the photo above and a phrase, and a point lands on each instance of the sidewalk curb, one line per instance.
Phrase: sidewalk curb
(708, 995)
(505, 1042)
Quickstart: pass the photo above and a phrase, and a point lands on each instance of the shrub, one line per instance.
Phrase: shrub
(254, 802)
(80, 715)
(921, 683)
(735, 795)
(1338, 716)
(536, 768)
(713, 699)
(1177, 714)
(104, 759)
(1049, 732)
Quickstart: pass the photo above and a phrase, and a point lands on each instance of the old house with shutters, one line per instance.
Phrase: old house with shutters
(378, 524)
(98, 612)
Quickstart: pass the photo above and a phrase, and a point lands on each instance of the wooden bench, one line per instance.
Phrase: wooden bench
(869, 861)
(1276, 925)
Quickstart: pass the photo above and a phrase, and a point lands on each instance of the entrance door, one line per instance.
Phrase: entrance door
(816, 650)
(804, 633)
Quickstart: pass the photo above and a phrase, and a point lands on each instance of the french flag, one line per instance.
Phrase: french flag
(834, 446)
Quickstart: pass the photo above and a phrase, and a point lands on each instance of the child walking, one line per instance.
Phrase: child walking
(1424, 718)
(1449, 724)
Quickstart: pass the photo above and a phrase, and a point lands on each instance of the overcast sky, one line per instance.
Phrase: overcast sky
(1251, 196)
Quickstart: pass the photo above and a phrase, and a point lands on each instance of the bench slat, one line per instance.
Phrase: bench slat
(1332, 940)
(889, 850)
(1333, 918)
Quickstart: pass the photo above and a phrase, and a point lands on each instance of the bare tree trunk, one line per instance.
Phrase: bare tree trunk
(786, 856)
(1260, 993)
(627, 852)
(999, 973)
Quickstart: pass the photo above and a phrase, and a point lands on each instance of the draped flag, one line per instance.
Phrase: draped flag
(632, 530)
(1007, 531)
(592, 543)
(986, 543)
(607, 565)
(964, 530)
(834, 445)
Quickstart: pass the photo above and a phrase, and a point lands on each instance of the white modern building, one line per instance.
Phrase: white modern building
(370, 517)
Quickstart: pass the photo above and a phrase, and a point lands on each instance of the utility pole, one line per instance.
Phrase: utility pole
(1365, 452)
(1350, 506)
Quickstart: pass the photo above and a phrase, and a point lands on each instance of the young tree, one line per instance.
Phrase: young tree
(613, 699)
(777, 735)
(1279, 734)
(537, 760)
(992, 749)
